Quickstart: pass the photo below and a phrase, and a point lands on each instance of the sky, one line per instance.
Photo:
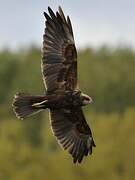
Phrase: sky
(95, 22)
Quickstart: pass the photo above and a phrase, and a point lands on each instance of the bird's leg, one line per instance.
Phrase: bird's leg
(41, 104)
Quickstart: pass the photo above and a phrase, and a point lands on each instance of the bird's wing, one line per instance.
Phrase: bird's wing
(72, 132)
(59, 56)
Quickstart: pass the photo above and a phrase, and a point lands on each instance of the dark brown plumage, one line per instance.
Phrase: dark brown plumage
(59, 60)
(63, 98)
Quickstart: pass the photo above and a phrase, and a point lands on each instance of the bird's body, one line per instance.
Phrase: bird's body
(63, 97)
(68, 100)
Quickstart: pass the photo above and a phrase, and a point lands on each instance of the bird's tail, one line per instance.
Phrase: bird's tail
(25, 105)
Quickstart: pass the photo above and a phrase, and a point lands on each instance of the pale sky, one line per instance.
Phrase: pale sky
(95, 22)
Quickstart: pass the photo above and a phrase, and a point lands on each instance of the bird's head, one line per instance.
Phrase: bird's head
(85, 99)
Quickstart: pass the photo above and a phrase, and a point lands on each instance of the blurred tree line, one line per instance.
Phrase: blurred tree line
(105, 74)
(27, 148)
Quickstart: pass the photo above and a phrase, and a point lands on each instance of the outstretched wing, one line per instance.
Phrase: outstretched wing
(72, 132)
(59, 59)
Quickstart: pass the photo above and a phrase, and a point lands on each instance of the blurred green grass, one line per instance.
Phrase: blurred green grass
(28, 151)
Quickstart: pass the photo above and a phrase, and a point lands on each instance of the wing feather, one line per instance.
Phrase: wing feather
(72, 132)
(59, 49)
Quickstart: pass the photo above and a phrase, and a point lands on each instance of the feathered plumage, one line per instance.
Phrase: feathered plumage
(63, 98)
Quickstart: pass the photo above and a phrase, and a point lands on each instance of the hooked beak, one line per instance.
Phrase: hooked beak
(90, 101)
(86, 99)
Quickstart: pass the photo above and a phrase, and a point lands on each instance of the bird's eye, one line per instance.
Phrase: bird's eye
(87, 98)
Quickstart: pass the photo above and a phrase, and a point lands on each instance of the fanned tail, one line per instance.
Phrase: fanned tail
(25, 105)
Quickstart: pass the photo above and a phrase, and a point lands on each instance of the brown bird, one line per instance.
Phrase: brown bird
(63, 98)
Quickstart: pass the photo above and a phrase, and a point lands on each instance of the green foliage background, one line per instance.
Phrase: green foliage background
(28, 151)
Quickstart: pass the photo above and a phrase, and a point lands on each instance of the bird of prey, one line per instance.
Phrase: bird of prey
(63, 97)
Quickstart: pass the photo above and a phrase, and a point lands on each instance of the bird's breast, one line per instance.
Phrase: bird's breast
(67, 100)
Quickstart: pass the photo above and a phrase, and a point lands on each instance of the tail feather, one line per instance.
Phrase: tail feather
(25, 105)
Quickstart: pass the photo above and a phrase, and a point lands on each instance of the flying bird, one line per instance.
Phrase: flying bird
(63, 97)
